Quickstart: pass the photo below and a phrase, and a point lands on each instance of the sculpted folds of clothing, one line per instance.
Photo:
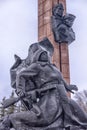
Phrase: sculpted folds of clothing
(41, 73)
(62, 33)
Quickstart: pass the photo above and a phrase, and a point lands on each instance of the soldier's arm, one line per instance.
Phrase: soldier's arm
(69, 87)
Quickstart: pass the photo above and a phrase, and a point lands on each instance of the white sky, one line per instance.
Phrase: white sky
(18, 29)
(78, 49)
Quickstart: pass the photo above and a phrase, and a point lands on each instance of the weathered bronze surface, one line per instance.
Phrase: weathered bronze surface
(43, 91)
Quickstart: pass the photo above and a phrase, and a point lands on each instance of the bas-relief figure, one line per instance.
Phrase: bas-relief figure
(62, 25)
(43, 91)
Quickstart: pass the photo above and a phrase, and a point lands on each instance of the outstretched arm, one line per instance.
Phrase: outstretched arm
(69, 87)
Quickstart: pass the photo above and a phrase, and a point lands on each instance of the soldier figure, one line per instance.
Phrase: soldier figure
(51, 108)
(62, 25)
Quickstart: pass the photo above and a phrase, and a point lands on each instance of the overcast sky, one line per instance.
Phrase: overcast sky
(78, 49)
(18, 29)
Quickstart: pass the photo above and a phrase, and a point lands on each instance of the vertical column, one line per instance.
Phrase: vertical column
(64, 61)
(61, 56)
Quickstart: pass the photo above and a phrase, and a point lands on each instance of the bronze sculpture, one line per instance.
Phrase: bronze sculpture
(43, 91)
(62, 25)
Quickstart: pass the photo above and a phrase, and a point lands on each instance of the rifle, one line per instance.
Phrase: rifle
(11, 101)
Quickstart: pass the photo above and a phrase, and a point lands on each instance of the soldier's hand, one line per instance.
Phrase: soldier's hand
(21, 94)
(73, 87)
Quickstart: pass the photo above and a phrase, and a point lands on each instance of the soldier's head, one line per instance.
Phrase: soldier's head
(43, 57)
(58, 10)
(32, 49)
(43, 48)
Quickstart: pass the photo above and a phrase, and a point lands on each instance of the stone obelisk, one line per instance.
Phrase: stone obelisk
(61, 55)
